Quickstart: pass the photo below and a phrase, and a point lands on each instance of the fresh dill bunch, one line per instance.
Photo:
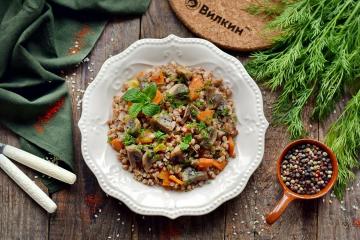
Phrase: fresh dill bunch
(316, 57)
(344, 139)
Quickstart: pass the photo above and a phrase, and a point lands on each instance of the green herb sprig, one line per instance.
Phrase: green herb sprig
(344, 139)
(223, 112)
(174, 101)
(142, 100)
(185, 142)
(128, 139)
(268, 8)
(159, 135)
(317, 55)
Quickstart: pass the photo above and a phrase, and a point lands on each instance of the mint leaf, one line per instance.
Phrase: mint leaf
(134, 95)
(135, 109)
(150, 109)
(150, 91)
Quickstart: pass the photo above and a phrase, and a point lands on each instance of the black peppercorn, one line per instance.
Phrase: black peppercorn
(306, 169)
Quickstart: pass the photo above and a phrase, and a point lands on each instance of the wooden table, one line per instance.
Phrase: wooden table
(85, 212)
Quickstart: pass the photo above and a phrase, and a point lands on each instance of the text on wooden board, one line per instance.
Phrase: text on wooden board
(205, 10)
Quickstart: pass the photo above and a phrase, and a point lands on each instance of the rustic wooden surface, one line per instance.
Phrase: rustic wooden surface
(85, 212)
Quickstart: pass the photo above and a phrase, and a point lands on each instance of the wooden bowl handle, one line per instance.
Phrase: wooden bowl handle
(279, 208)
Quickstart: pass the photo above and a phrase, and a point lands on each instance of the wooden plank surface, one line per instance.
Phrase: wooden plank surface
(19, 214)
(85, 212)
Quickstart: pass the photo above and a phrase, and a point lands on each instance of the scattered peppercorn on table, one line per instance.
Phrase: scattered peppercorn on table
(85, 212)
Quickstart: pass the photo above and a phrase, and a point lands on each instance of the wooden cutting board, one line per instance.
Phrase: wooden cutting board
(224, 22)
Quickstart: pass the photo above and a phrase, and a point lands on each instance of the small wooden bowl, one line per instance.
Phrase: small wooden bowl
(289, 195)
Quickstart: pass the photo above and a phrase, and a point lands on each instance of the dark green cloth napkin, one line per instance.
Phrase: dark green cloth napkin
(38, 38)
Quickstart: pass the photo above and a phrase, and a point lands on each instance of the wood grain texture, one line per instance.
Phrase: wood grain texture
(299, 220)
(159, 22)
(85, 212)
(20, 217)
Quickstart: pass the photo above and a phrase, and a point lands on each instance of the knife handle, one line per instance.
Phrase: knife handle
(39, 164)
(27, 184)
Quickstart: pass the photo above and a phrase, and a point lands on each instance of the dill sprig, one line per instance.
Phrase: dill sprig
(268, 8)
(344, 139)
(316, 56)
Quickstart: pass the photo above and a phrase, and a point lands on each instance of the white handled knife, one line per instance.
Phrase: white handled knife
(38, 164)
(26, 184)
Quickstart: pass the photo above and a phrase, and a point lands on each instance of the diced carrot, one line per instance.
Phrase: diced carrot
(176, 180)
(158, 78)
(166, 182)
(206, 115)
(195, 86)
(139, 75)
(158, 97)
(117, 144)
(219, 165)
(231, 144)
(164, 175)
(204, 163)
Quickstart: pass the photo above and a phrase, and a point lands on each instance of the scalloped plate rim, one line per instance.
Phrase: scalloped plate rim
(189, 211)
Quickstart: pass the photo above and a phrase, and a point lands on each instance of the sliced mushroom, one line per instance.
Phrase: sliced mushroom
(179, 90)
(190, 175)
(216, 100)
(134, 155)
(177, 155)
(147, 160)
(132, 125)
(210, 139)
(182, 71)
(163, 121)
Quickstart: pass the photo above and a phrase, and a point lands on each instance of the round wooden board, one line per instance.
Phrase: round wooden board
(224, 22)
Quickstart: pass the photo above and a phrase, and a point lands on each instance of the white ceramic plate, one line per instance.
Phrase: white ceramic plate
(101, 158)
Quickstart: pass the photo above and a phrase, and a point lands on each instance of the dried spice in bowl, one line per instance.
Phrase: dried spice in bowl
(306, 169)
